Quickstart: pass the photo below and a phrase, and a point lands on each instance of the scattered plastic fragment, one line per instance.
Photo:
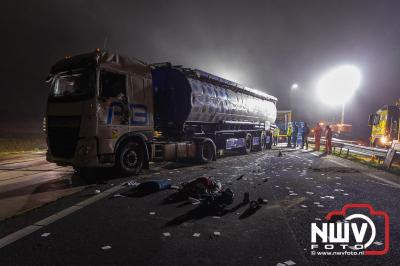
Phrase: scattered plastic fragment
(196, 234)
(106, 247)
(132, 183)
(45, 234)
(246, 197)
(118, 196)
(194, 201)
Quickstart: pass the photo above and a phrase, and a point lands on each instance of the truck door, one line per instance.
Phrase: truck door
(113, 109)
(140, 103)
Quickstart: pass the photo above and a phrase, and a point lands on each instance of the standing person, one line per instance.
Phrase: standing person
(317, 136)
(295, 135)
(289, 136)
(304, 136)
(276, 136)
(328, 137)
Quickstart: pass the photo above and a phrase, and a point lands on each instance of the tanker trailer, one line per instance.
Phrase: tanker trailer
(213, 113)
(108, 110)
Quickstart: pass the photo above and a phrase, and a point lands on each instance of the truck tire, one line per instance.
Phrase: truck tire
(263, 142)
(268, 145)
(248, 144)
(130, 158)
(206, 151)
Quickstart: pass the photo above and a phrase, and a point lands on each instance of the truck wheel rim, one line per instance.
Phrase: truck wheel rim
(131, 159)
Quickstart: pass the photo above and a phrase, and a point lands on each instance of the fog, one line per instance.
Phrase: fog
(268, 45)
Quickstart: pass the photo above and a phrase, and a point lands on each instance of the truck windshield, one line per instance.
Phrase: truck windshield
(73, 85)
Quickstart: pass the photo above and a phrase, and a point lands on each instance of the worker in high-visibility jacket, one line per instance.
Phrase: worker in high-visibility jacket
(328, 140)
(317, 136)
(289, 136)
(276, 136)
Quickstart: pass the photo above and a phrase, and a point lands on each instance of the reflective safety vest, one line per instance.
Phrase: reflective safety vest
(276, 132)
(289, 131)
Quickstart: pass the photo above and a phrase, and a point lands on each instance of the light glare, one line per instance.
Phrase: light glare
(338, 85)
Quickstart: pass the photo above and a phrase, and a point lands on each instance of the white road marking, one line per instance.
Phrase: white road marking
(11, 238)
(393, 184)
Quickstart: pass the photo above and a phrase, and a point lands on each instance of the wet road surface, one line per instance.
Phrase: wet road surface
(91, 228)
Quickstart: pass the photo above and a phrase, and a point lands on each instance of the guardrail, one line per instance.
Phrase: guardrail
(347, 148)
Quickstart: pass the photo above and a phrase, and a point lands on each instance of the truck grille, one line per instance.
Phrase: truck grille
(63, 134)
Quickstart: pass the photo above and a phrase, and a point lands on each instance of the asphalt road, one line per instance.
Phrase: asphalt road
(90, 228)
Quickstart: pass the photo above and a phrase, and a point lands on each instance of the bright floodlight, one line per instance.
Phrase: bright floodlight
(338, 85)
(295, 86)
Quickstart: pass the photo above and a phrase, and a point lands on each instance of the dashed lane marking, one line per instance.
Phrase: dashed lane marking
(11, 238)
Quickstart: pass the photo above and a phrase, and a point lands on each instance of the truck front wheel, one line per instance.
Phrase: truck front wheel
(130, 158)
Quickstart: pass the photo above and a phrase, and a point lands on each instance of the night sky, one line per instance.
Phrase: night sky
(267, 45)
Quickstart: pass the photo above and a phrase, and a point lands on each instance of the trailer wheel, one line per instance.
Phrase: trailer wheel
(130, 158)
(268, 144)
(206, 151)
(248, 144)
(263, 140)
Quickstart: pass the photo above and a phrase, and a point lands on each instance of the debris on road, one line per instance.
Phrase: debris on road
(194, 201)
(131, 183)
(45, 234)
(152, 213)
(240, 177)
(217, 233)
(262, 201)
(106, 247)
(118, 196)
(166, 234)
(246, 197)
(148, 187)
(286, 263)
(196, 234)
